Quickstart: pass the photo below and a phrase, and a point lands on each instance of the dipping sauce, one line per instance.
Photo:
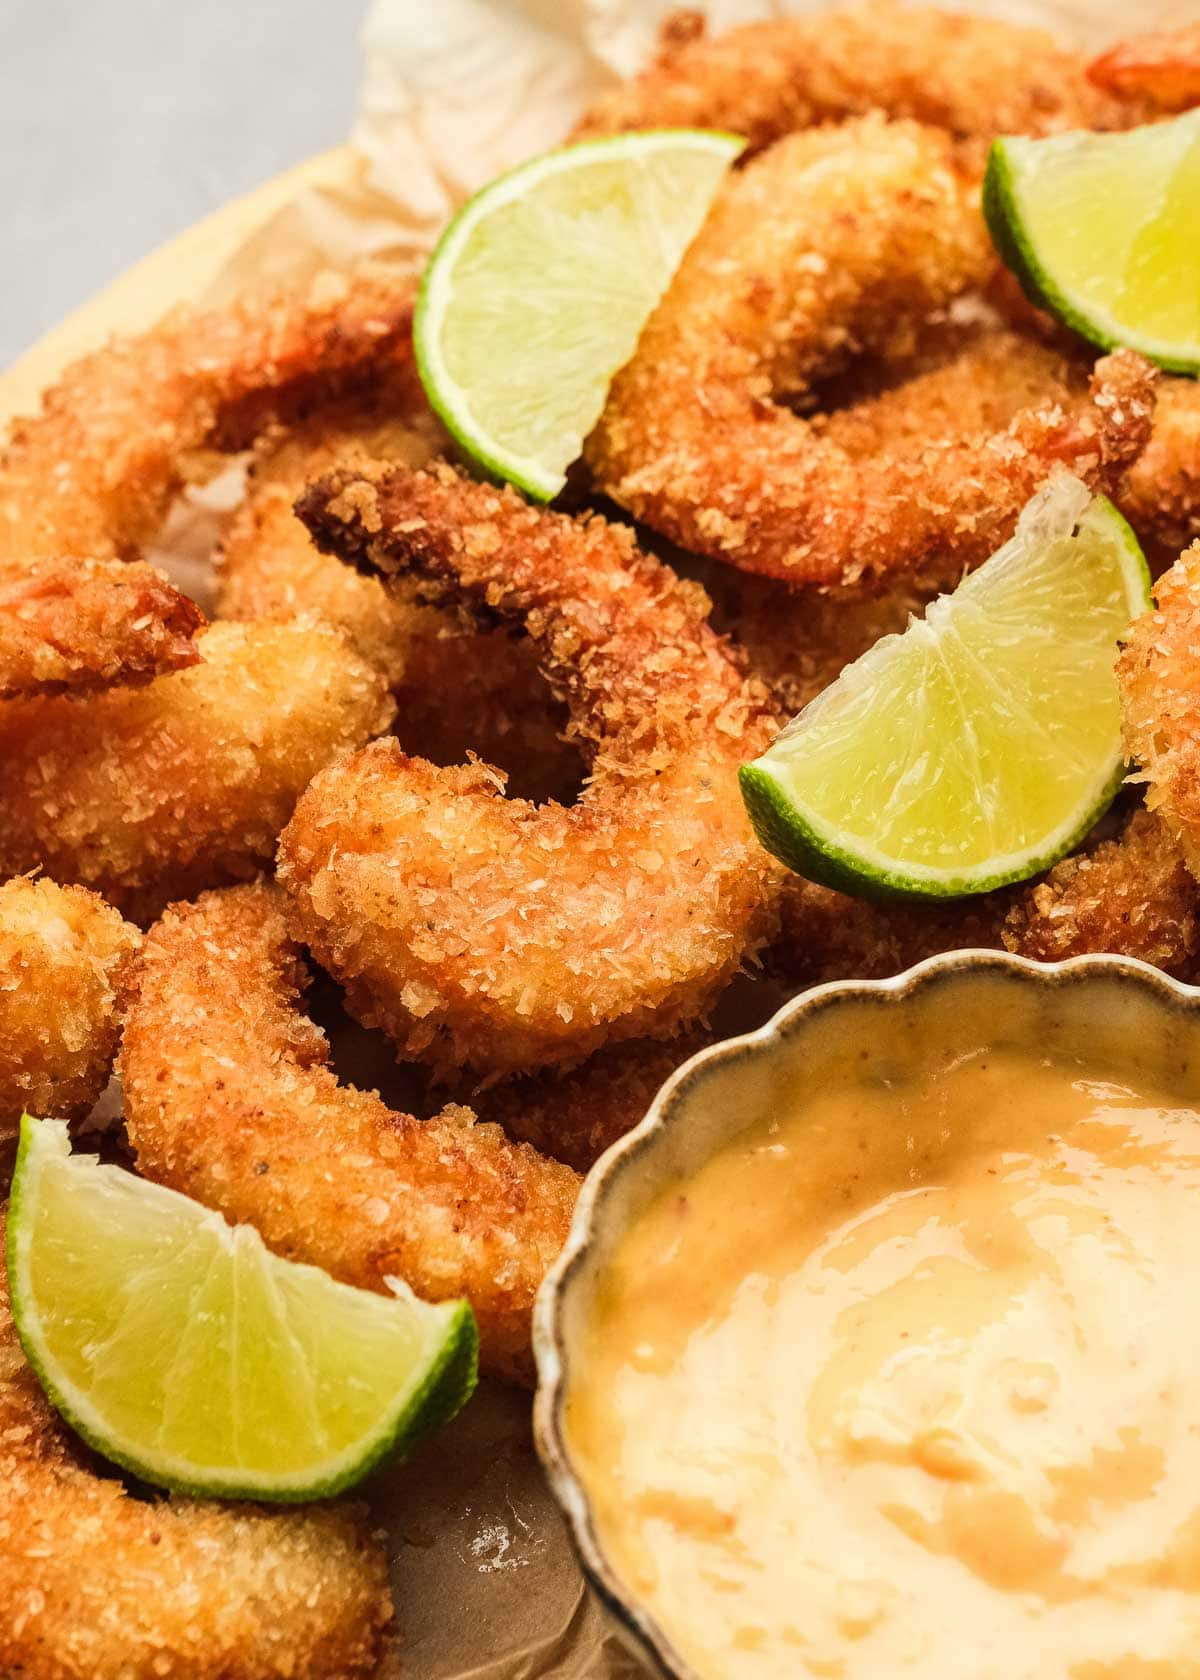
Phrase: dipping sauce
(907, 1381)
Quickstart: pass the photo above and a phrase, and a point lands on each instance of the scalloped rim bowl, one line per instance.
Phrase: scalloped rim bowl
(1142, 1019)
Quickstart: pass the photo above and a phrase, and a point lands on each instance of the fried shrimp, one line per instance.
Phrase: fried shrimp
(97, 1584)
(457, 689)
(72, 624)
(978, 77)
(86, 482)
(574, 1115)
(92, 475)
(829, 242)
(799, 639)
(497, 935)
(228, 1100)
(148, 794)
(1132, 895)
(1160, 70)
(1159, 672)
(825, 935)
(1160, 493)
(65, 958)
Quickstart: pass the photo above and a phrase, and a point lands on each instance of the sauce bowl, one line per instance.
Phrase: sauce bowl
(1136, 1017)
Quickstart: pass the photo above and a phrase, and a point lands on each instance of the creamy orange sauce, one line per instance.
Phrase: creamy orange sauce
(907, 1381)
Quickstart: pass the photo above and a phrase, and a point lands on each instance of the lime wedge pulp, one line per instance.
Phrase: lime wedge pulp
(1101, 231)
(540, 286)
(977, 747)
(181, 1348)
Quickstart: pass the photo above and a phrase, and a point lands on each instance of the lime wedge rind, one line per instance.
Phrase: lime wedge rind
(539, 479)
(443, 1383)
(1010, 202)
(817, 853)
(794, 792)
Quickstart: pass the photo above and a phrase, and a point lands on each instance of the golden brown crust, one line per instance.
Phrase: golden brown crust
(148, 794)
(1161, 701)
(96, 1584)
(835, 240)
(494, 934)
(1160, 492)
(576, 1114)
(76, 624)
(228, 1100)
(458, 688)
(977, 77)
(1132, 895)
(65, 958)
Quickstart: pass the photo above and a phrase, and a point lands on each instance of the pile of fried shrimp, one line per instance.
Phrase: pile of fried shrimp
(473, 763)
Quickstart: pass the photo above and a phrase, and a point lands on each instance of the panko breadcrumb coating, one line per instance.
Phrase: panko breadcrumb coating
(458, 688)
(829, 243)
(1130, 895)
(493, 934)
(576, 1113)
(65, 958)
(1133, 895)
(228, 1099)
(72, 624)
(149, 794)
(978, 77)
(97, 1584)
(826, 935)
(1160, 492)
(1159, 672)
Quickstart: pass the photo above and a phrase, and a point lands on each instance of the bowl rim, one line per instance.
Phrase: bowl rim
(633, 1620)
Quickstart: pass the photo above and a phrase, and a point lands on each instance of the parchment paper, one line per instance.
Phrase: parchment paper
(454, 92)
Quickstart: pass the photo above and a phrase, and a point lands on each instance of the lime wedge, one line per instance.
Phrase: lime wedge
(540, 286)
(978, 746)
(180, 1347)
(1101, 231)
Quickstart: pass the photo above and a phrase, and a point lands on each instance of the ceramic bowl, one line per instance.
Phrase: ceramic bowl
(1139, 1019)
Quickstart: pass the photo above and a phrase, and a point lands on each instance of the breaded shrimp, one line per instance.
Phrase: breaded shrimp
(1133, 895)
(227, 1099)
(151, 793)
(1159, 672)
(98, 1584)
(1160, 71)
(1130, 895)
(87, 481)
(457, 689)
(75, 624)
(497, 935)
(978, 77)
(799, 639)
(65, 958)
(92, 475)
(828, 243)
(982, 387)
(825, 935)
(1160, 492)
(574, 1115)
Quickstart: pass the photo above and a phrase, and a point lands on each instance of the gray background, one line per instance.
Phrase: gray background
(122, 121)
